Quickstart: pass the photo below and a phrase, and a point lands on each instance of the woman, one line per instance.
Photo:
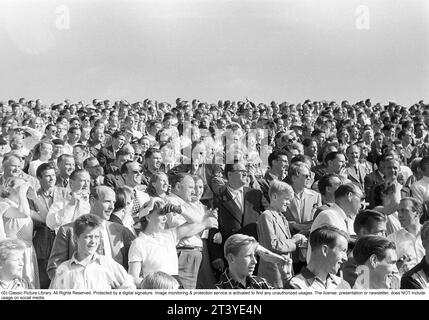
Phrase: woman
(206, 276)
(155, 247)
(42, 154)
(122, 210)
(274, 233)
(17, 223)
(390, 197)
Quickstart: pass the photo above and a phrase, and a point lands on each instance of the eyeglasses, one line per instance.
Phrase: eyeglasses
(137, 172)
(242, 172)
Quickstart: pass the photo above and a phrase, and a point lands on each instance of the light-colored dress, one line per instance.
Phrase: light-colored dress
(16, 227)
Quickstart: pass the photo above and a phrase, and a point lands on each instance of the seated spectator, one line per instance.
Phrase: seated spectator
(12, 265)
(122, 210)
(376, 259)
(329, 252)
(42, 154)
(87, 269)
(66, 166)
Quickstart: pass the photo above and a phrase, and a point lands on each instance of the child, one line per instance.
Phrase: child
(12, 265)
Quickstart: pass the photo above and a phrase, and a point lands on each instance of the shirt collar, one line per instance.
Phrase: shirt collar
(178, 199)
(235, 192)
(95, 258)
(311, 277)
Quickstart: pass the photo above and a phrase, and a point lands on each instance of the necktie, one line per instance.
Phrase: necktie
(136, 205)
(65, 183)
(358, 173)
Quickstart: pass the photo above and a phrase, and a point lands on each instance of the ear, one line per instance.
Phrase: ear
(324, 249)
(75, 238)
(373, 261)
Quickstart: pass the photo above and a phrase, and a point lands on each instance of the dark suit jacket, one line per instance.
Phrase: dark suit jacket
(64, 245)
(105, 156)
(232, 220)
(371, 180)
(114, 181)
(353, 177)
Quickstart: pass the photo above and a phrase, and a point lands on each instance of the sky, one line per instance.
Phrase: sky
(282, 50)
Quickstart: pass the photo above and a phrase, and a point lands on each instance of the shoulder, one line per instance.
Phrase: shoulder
(297, 282)
(311, 192)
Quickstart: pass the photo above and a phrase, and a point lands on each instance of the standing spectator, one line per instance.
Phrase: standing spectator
(107, 154)
(66, 166)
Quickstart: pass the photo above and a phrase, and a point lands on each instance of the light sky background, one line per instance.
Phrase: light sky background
(283, 50)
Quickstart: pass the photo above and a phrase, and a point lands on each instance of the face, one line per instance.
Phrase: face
(13, 266)
(157, 220)
(378, 228)
(118, 142)
(244, 262)
(283, 201)
(238, 177)
(335, 182)
(46, 151)
(353, 154)
(133, 176)
(357, 200)
(385, 268)
(75, 135)
(337, 255)
(161, 185)
(88, 241)
(302, 179)
(48, 179)
(67, 166)
(199, 189)
(12, 167)
(338, 163)
(186, 189)
(78, 154)
(103, 207)
(391, 169)
(145, 145)
(155, 161)
(81, 182)
(281, 163)
(406, 214)
(311, 150)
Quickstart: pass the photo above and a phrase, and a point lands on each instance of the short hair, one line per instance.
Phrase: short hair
(62, 157)
(424, 163)
(415, 164)
(416, 204)
(326, 235)
(85, 221)
(174, 179)
(124, 167)
(295, 168)
(9, 155)
(117, 134)
(279, 187)
(44, 167)
(275, 155)
(237, 241)
(366, 219)
(345, 189)
(149, 152)
(9, 245)
(85, 162)
(98, 191)
(366, 246)
(159, 280)
(76, 172)
(325, 182)
(301, 158)
(332, 156)
(121, 198)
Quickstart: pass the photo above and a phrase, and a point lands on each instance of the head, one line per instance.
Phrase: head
(66, 165)
(328, 184)
(86, 235)
(102, 202)
(353, 154)
(159, 184)
(153, 216)
(379, 255)
(236, 174)
(46, 175)
(310, 147)
(11, 259)
(280, 194)
(124, 200)
(80, 180)
(153, 159)
(183, 185)
(159, 280)
(350, 198)
(118, 140)
(369, 222)
(409, 212)
(240, 252)
(299, 174)
(391, 169)
(328, 248)
(278, 161)
(335, 162)
(80, 153)
(199, 187)
(12, 165)
(132, 173)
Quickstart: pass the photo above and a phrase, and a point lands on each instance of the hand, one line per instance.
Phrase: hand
(217, 238)
(299, 239)
(211, 223)
(218, 264)
(285, 269)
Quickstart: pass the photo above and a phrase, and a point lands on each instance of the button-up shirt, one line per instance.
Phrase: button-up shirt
(252, 282)
(237, 195)
(16, 284)
(96, 272)
(309, 281)
(420, 189)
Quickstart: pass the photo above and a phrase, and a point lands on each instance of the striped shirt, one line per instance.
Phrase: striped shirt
(16, 284)
(252, 282)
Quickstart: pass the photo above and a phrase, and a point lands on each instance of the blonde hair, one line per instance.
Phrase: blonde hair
(159, 280)
(279, 187)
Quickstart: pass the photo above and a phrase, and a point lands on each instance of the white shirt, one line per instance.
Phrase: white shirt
(420, 189)
(106, 241)
(237, 195)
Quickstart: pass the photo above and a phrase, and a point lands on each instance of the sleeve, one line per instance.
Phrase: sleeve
(415, 191)
(119, 275)
(271, 240)
(407, 282)
(59, 252)
(58, 282)
(135, 253)
(55, 215)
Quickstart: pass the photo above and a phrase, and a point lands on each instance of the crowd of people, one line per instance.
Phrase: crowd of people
(232, 195)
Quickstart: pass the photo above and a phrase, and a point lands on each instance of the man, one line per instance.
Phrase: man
(409, 247)
(376, 259)
(75, 204)
(373, 179)
(80, 153)
(108, 154)
(132, 174)
(367, 222)
(418, 277)
(238, 209)
(57, 150)
(66, 166)
(189, 249)
(240, 252)
(115, 239)
(354, 169)
(420, 188)
(87, 269)
(129, 125)
(152, 164)
(300, 212)
(278, 163)
(310, 149)
(73, 138)
(327, 186)
(43, 237)
(329, 252)
(114, 178)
